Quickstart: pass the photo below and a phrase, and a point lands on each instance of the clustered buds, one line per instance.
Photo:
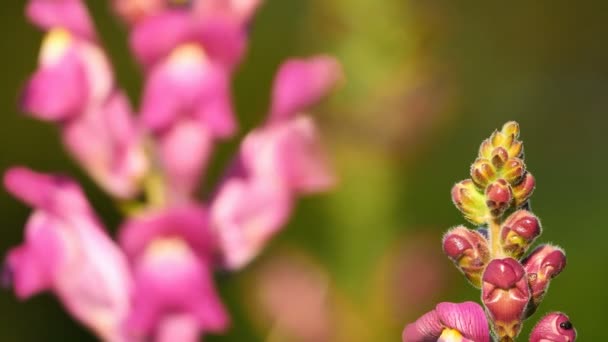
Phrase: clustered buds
(499, 179)
(493, 256)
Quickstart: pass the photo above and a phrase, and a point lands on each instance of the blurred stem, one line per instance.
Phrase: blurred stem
(154, 188)
(496, 250)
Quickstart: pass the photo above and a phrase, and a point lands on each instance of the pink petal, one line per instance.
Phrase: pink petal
(184, 152)
(155, 37)
(106, 142)
(190, 223)
(300, 83)
(468, 318)
(70, 14)
(170, 279)
(288, 152)
(245, 214)
(58, 91)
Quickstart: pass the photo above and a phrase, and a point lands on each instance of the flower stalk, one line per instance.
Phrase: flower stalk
(493, 257)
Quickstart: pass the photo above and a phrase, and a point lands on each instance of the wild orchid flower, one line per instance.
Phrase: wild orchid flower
(66, 251)
(276, 162)
(492, 257)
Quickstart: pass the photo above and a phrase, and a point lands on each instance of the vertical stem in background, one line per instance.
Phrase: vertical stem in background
(496, 251)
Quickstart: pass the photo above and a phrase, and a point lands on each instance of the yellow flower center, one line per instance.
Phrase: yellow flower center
(450, 335)
(54, 45)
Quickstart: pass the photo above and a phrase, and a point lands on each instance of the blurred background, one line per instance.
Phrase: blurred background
(426, 81)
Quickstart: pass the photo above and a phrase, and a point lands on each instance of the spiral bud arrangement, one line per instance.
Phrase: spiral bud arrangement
(492, 257)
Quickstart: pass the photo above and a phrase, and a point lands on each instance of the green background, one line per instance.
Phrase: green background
(542, 63)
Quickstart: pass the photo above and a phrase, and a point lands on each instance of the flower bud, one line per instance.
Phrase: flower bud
(513, 170)
(470, 201)
(555, 327)
(542, 265)
(469, 251)
(499, 157)
(505, 294)
(523, 190)
(511, 128)
(498, 197)
(482, 172)
(518, 232)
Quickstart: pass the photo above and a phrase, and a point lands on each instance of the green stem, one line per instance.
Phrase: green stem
(496, 251)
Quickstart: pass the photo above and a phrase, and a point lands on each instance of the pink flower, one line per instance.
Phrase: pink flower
(66, 251)
(69, 14)
(74, 87)
(170, 254)
(73, 72)
(554, 327)
(276, 162)
(186, 101)
(450, 322)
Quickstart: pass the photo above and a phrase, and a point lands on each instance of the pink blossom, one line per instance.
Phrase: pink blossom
(276, 162)
(74, 87)
(66, 251)
(170, 253)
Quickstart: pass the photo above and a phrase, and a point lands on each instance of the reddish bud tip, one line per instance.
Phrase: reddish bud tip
(498, 197)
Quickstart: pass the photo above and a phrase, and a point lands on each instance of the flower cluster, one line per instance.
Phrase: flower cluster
(492, 257)
(156, 281)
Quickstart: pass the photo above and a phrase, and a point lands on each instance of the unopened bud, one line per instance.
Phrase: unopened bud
(555, 327)
(542, 265)
(498, 197)
(482, 172)
(511, 128)
(513, 170)
(499, 157)
(505, 294)
(518, 232)
(523, 190)
(469, 251)
(470, 201)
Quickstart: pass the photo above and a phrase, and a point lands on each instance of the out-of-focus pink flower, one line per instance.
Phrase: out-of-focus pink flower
(74, 87)
(276, 162)
(450, 322)
(67, 252)
(554, 327)
(106, 142)
(72, 15)
(186, 101)
(73, 76)
(170, 254)
(301, 83)
(306, 317)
